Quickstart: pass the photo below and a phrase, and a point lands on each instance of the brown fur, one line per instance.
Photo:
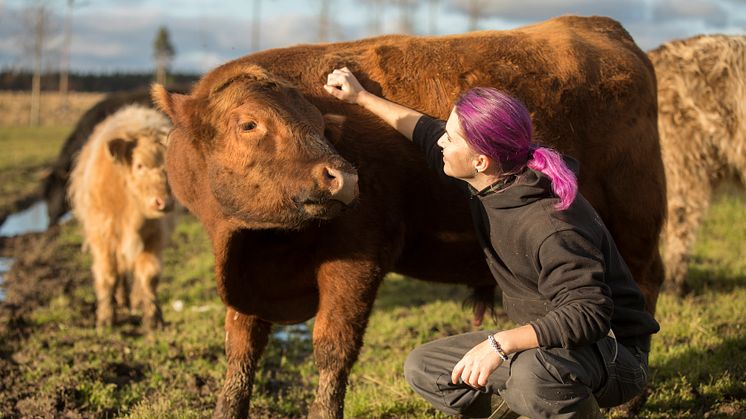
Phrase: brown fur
(702, 123)
(115, 180)
(593, 93)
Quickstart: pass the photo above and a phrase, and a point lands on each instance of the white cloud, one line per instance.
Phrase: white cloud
(709, 12)
(535, 10)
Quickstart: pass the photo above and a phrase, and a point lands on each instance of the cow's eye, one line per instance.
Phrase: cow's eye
(248, 126)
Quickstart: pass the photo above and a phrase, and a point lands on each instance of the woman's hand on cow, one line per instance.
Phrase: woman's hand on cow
(476, 366)
(343, 85)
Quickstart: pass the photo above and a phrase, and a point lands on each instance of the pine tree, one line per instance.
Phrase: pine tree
(164, 52)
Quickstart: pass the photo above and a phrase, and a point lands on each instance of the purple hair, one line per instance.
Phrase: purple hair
(499, 126)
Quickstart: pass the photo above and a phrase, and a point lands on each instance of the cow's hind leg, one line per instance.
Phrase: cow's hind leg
(688, 200)
(245, 340)
(347, 291)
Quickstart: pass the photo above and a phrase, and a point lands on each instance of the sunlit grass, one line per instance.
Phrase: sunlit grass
(30, 146)
(27, 155)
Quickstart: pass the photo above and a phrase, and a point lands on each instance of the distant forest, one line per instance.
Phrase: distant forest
(81, 82)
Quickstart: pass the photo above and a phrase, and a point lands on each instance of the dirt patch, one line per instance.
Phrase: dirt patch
(38, 274)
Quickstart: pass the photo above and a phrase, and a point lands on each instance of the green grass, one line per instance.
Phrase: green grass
(26, 157)
(30, 146)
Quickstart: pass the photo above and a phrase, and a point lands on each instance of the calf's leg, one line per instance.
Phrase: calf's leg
(245, 340)
(104, 281)
(146, 273)
(346, 294)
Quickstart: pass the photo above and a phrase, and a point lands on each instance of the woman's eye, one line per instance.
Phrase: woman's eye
(248, 126)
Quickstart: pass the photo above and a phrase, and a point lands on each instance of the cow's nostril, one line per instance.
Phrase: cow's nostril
(328, 175)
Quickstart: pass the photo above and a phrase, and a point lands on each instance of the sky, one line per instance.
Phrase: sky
(111, 35)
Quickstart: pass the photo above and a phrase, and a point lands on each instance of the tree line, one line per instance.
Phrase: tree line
(21, 80)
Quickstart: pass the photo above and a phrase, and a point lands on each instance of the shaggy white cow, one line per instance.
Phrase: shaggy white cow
(702, 123)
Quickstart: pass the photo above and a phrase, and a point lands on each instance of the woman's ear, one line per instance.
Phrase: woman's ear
(482, 163)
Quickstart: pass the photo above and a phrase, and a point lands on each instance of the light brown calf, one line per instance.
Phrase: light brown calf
(702, 124)
(119, 194)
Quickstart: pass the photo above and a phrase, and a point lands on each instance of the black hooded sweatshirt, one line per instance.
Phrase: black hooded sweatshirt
(559, 271)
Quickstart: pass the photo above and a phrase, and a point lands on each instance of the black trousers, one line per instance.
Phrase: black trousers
(541, 382)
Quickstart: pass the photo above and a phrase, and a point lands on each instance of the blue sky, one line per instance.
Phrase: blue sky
(113, 35)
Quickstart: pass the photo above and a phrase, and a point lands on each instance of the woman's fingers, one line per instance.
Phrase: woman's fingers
(457, 371)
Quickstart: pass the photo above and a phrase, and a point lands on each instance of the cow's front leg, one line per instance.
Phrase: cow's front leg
(245, 340)
(346, 295)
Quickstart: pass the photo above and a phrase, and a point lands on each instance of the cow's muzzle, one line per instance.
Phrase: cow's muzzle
(341, 184)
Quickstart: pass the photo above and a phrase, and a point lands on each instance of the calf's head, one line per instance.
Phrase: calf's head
(260, 150)
(140, 157)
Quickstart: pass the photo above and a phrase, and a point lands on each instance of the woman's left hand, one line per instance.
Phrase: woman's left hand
(476, 366)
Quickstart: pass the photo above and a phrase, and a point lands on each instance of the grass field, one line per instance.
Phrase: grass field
(59, 365)
(25, 160)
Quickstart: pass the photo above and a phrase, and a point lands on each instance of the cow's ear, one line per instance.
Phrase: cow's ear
(333, 125)
(120, 150)
(172, 104)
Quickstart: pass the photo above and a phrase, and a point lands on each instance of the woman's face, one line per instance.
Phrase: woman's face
(458, 158)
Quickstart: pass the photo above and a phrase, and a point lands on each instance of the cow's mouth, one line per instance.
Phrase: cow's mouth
(322, 208)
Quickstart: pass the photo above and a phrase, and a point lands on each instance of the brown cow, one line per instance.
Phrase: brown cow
(702, 123)
(253, 142)
(119, 194)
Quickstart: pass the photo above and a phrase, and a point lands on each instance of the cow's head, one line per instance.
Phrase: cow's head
(260, 148)
(140, 155)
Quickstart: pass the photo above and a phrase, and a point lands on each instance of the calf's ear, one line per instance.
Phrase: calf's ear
(120, 150)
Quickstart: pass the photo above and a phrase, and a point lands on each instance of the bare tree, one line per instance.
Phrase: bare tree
(163, 52)
(39, 18)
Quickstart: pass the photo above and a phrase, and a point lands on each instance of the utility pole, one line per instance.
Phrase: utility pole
(406, 10)
(474, 7)
(432, 24)
(255, 26)
(324, 23)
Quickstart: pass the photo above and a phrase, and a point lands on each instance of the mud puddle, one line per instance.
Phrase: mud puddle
(5, 264)
(293, 332)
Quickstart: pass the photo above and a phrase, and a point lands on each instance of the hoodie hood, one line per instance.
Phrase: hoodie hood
(528, 187)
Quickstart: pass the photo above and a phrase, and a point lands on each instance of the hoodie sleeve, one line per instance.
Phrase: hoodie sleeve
(426, 134)
(572, 277)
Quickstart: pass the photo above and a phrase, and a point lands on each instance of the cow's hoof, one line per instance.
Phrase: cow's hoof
(153, 322)
(317, 411)
(105, 317)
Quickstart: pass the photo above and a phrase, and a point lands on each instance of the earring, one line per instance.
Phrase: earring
(476, 170)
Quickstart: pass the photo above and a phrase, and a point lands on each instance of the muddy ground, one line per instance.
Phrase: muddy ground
(38, 274)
